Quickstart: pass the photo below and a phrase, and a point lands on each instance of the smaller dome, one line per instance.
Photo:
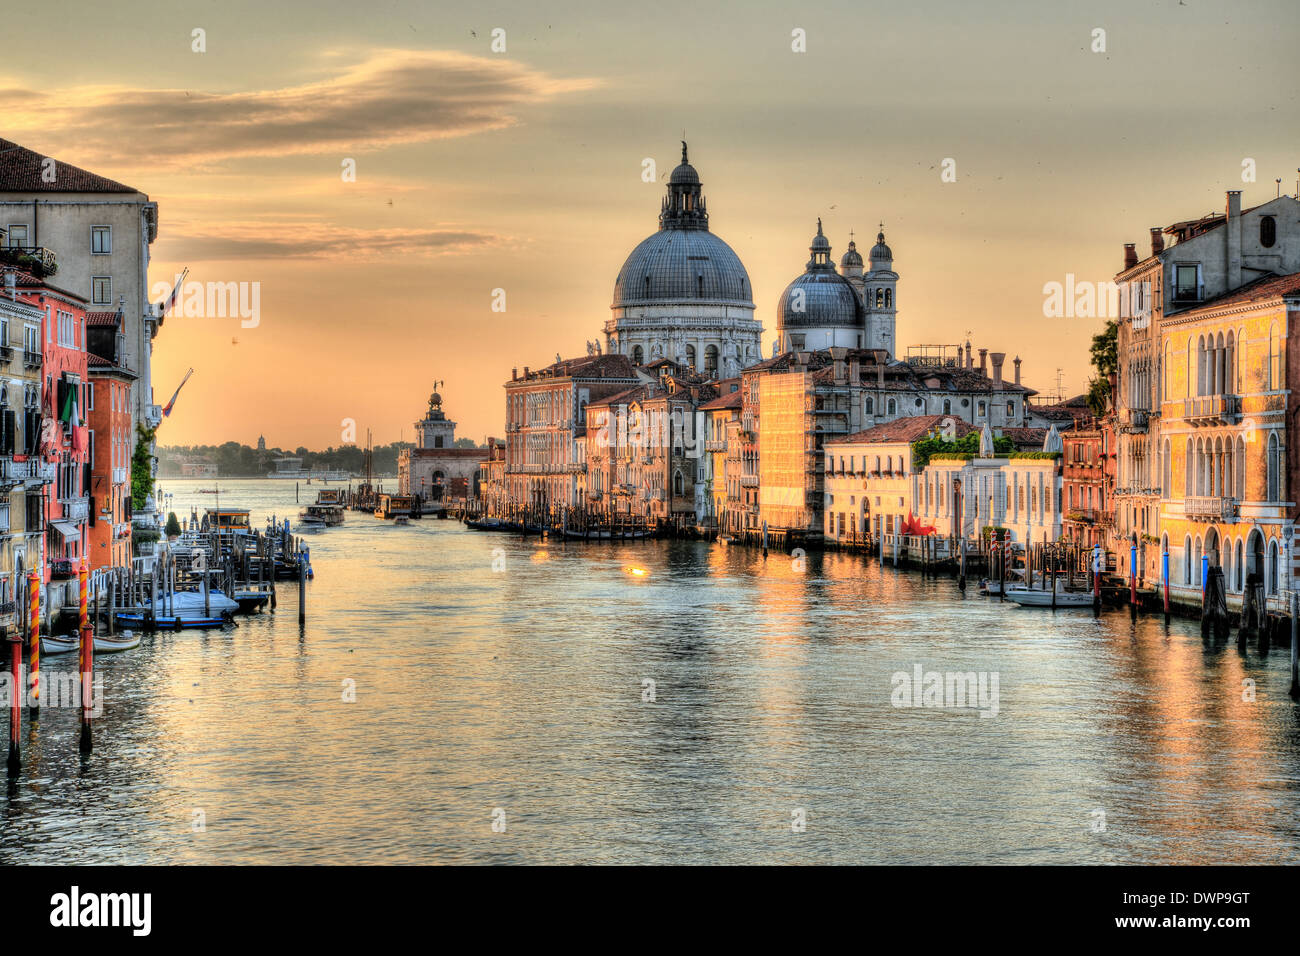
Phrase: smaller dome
(852, 257)
(685, 174)
(819, 299)
(880, 250)
(435, 400)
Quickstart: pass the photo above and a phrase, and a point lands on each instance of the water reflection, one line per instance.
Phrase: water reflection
(521, 690)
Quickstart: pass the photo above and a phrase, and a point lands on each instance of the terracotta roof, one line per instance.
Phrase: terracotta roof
(728, 400)
(586, 366)
(22, 170)
(102, 318)
(1267, 287)
(625, 396)
(908, 429)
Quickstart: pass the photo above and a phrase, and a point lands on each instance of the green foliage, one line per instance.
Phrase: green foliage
(1105, 360)
(967, 446)
(173, 525)
(1034, 454)
(464, 443)
(142, 467)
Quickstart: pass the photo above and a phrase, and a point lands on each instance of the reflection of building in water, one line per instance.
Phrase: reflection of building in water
(434, 469)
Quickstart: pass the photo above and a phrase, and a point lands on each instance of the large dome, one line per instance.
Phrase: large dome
(677, 265)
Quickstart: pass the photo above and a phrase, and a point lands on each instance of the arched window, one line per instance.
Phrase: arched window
(1187, 560)
(947, 406)
(1200, 366)
(1167, 481)
(1164, 373)
(711, 360)
(1191, 366)
(1189, 468)
(1274, 468)
(690, 356)
(1230, 365)
(1239, 462)
(1238, 565)
(869, 406)
(893, 407)
(1271, 577)
(880, 298)
(1267, 231)
(678, 483)
(889, 298)
(638, 355)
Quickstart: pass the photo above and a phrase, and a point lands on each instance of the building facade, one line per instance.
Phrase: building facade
(99, 232)
(546, 412)
(111, 440)
(434, 469)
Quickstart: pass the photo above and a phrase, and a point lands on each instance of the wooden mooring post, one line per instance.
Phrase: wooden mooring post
(34, 639)
(87, 658)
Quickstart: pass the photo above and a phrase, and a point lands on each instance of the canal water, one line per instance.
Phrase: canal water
(520, 701)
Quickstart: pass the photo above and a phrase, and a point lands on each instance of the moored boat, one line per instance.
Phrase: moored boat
(104, 644)
(59, 644)
(1042, 597)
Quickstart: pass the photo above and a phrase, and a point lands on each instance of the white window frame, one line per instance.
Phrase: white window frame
(108, 230)
(9, 234)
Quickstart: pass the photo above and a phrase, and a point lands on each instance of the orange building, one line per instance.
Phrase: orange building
(108, 402)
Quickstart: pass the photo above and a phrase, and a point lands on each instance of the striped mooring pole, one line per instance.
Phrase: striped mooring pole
(87, 657)
(34, 638)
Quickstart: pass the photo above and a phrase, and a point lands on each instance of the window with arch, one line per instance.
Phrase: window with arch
(947, 406)
(1267, 231)
(690, 356)
(1238, 566)
(711, 359)
(892, 408)
(1187, 560)
(1274, 467)
(1191, 365)
(1274, 568)
(889, 298)
(869, 406)
(880, 298)
(638, 354)
(678, 483)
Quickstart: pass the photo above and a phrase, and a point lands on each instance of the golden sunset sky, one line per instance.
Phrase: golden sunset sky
(522, 170)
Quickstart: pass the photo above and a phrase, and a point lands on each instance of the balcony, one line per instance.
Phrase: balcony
(1212, 409)
(31, 359)
(1134, 421)
(37, 260)
(749, 481)
(75, 510)
(6, 353)
(1210, 509)
(715, 444)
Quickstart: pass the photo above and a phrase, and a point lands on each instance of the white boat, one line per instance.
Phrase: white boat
(1041, 597)
(308, 522)
(190, 604)
(401, 519)
(60, 644)
(105, 644)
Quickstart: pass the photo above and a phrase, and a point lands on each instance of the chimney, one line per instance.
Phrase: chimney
(1017, 369)
(984, 365)
(1157, 241)
(514, 374)
(525, 371)
(11, 283)
(1130, 255)
(1234, 239)
(998, 358)
(970, 362)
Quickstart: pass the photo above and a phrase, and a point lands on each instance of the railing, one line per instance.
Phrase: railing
(1211, 409)
(37, 260)
(1189, 295)
(31, 359)
(749, 481)
(1135, 420)
(715, 444)
(1210, 508)
(75, 509)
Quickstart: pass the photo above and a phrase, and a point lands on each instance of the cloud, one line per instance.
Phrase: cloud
(315, 240)
(390, 98)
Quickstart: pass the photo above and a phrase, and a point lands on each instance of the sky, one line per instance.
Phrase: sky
(521, 170)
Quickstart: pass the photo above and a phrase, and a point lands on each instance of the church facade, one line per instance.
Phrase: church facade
(434, 469)
(683, 294)
(846, 308)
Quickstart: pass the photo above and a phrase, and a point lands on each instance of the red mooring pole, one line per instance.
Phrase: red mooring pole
(34, 639)
(87, 659)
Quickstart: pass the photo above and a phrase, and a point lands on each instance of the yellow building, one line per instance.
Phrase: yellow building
(1224, 410)
(789, 493)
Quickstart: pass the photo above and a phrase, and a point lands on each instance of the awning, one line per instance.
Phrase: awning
(67, 529)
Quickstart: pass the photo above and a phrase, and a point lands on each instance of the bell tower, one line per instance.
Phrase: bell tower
(435, 429)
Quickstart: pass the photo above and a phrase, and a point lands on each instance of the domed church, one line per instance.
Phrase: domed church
(683, 294)
(828, 308)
